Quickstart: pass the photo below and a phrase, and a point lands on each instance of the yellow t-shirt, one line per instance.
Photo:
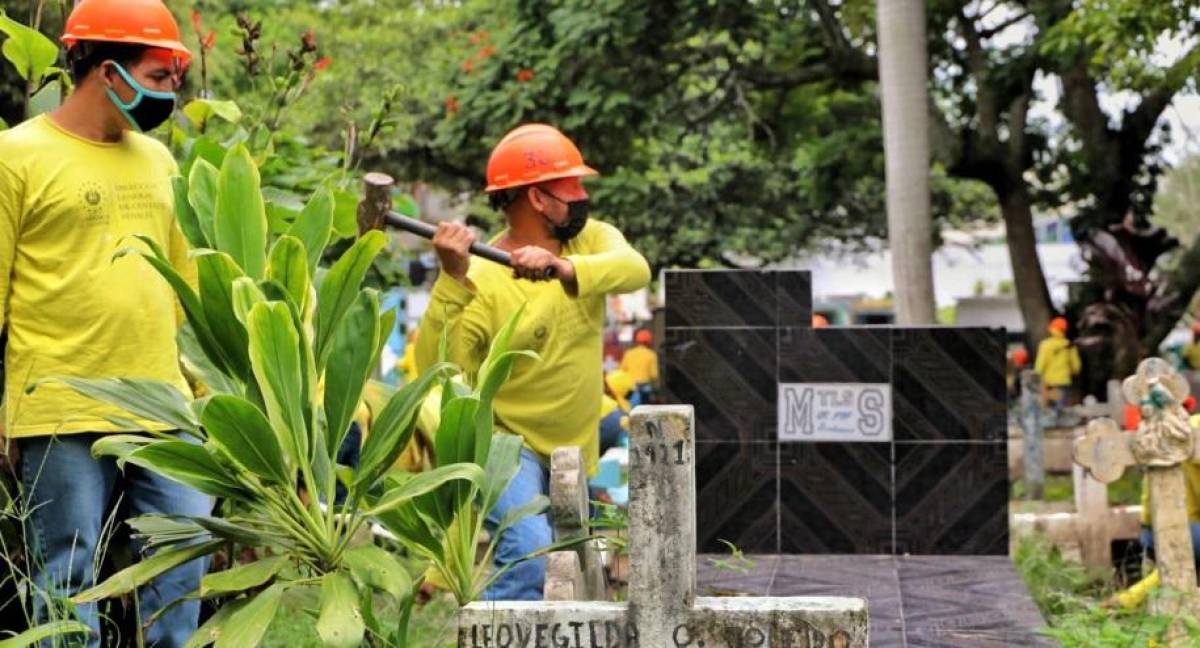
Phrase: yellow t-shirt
(555, 401)
(66, 204)
(641, 363)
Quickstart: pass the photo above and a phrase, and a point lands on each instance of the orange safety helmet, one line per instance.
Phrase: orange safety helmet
(819, 321)
(534, 153)
(1059, 324)
(1020, 357)
(138, 22)
(643, 336)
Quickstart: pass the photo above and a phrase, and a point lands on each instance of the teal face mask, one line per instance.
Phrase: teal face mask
(148, 108)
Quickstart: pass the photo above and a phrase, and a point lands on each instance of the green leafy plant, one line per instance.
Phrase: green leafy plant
(285, 358)
(34, 56)
(737, 560)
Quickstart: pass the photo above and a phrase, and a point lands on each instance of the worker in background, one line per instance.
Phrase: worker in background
(1057, 363)
(75, 185)
(641, 364)
(614, 408)
(564, 265)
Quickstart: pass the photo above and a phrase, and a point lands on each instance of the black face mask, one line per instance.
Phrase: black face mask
(577, 217)
(148, 108)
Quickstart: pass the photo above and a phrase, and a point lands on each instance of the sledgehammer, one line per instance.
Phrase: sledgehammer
(375, 211)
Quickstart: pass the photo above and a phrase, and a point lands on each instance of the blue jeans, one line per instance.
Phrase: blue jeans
(1147, 539)
(611, 430)
(523, 582)
(66, 494)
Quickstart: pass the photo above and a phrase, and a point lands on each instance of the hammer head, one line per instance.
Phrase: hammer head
(376, 201)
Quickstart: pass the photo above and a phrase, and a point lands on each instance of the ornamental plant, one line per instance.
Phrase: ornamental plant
(284, 351)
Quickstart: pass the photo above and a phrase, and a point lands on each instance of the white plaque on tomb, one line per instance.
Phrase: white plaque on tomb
(835, 412)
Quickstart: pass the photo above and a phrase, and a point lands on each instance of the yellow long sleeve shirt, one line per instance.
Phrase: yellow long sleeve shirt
(1058, 360)
(66, 205)
(554, 401)
(641, 363)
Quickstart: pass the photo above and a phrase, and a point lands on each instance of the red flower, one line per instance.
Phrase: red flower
(525, 75)
(468, 66)
(196, 20)
(478, 37)
(451, 104)
(209, 40)
(322, 63)
(486, 53)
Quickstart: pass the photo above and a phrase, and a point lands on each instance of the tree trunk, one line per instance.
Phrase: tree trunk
(903, 65)
(1032, 295)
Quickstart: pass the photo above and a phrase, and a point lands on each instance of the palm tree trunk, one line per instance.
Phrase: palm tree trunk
(903, 65)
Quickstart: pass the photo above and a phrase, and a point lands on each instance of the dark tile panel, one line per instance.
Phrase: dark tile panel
(738, 497)
(721, 298)
(729, 377)
(835, 498)
(951, 498)
(851, 355)
(793, 289)
(948, 384)
(967, 601)
(871, 577)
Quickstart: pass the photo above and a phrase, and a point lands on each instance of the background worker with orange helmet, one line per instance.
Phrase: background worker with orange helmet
(74, 185)
(1057, 363)
(534, 177)
(641, 363)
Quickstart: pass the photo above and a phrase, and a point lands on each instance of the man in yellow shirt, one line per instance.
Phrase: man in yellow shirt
(534, 177)
(1057, 363)
(641, 363)
(74, 185)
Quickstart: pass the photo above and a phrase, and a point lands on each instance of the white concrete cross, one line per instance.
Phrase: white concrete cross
(1163, 441)
(663, 610)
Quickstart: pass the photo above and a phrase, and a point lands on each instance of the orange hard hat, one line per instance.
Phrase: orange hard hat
(137, 22)
(643, 336)
(819, 321)
(1020, 357)
(1059, 324)
(534, 153)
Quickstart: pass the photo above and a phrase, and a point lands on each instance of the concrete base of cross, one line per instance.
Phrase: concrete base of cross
(808, 622)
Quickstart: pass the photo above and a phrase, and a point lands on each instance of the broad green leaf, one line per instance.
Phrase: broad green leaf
(47, 99)
(202, 195)
(186, 215)
(427, 482)
(144, 571)
(242, 577)
(493, 372)
(340, 623)
(215, 625)
(33, 636)
(244, 433)
(188, 464)
(27, 49)
(241, 218)
(387, 323)
(216, 273)
(379, 569)
(314, 225)
(201, 367)
(392, 429)
(350, 364)
(288, 266)
(199, 111)
(345, 213)
(275, 356)
(230, 531)
(454, 443)
(164, 530)
(535, 506)
(340, 288)
(154, 401)
(119, 445)
(247, 626)
(279, 217)
(503, 463)
(246, 294)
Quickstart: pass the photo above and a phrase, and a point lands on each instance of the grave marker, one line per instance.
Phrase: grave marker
(663, 609)
(582, 578)
(1163, 441)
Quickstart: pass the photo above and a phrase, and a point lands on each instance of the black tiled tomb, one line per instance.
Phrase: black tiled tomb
(835, 498)
(738, 485)
(951, 498)
(948, 384)
(723, 298)
(728, 375)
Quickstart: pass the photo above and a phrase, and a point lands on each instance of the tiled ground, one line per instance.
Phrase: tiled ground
(914, 601)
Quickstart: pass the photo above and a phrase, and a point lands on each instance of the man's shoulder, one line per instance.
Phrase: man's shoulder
(150, 147)
(28, 135)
